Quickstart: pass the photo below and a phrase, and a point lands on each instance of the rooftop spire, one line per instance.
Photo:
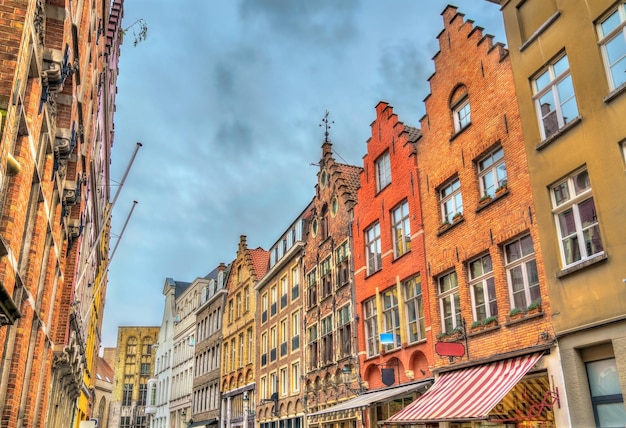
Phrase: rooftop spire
(326, 124)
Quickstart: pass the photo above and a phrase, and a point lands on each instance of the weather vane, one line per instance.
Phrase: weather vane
(326, 124)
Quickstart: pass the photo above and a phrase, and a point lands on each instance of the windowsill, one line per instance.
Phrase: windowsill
(443, 229)
(524, 318)
(323, 241)
(483, 331)
(379, 191)
(582, 265)
(542, 145)
(419, 342)
(459, 132)
(399, 257)
(615, 93)
(373, 273)
(492, 200)
(540, 30)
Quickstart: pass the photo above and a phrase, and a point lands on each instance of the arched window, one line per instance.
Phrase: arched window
(460, 107)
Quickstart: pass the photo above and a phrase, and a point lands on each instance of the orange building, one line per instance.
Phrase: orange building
(495, 355)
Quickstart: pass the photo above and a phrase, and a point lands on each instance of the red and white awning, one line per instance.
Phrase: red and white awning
(466, 394)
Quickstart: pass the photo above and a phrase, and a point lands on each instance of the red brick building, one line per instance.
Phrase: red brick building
(330, 368)
(394, 343)
(495, 353)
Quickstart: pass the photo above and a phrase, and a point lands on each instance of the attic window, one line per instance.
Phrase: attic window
(460, 107)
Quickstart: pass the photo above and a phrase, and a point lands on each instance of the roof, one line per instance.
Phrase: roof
(104, 372)
(260, 261)
(351, 176)
(414, 133)
(180, 287)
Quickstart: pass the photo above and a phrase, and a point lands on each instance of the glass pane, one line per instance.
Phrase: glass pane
(527, 245)
(610, 23)
(489, 185)
(561, 193)
(501, 173)
(569, 110)
(587, 212)
(571, 250)
(593, 243)
(581, 182)
(618, 72)
(549, 121)
(567, 223)
(512, 252)
(603, 378)
(542, 81)
(615, 48)
(476, 268)
(561, 65)
(611, 415)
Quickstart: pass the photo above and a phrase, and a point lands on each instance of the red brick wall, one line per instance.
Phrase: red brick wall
(467, 57)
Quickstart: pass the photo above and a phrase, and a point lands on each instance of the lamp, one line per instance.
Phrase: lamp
(346, 377)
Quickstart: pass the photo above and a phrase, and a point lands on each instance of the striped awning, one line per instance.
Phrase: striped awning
(371, 397)
(466, 394)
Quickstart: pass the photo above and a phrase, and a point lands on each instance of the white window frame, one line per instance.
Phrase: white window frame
(401, 229)
(557, 75)
(568, 196)
(525, 261)
(486, 281)
(391, 317)
(461, 113)
(492, 172)
(604, 38)
(414, 308)
(284, 381)
(450, 200)
(373, 248)
(372, 340)
(449, 298)
(383, 171)
(295, 376)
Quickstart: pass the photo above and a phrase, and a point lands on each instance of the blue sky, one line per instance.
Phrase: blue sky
(227, 98)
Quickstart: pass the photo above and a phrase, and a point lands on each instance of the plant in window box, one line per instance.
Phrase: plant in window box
(516, 313)
(534, 307)
(490, 322)
(443, 226)
(477, 326)
(484, 200)
(500, 190)
(457, 217)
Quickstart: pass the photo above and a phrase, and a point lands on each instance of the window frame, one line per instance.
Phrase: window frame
(448, 192)
(524, 262)
(344, 331)
(453, 294)
(370, 322)
(486, 280)
(461, 113)
(610, 36)
(573, 204)
(401, 229)
(373, 248)
(391, 317)
(487, 171)
(383, 171)
(552, 87)
(414, 308)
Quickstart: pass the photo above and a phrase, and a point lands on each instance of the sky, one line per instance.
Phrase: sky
(227, 98)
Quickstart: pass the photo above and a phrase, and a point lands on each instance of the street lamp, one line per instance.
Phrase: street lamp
(246, 400)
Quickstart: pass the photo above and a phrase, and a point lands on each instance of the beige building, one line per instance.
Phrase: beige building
(133, 367)
(279, 325)
(569, 65)
(238, 331)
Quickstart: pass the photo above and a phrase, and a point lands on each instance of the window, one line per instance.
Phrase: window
(606, 394)
(145, 369)
(401, 229)
(576, 218)
(246, 298)
(295, 330)
(283, 337)
(273, 342)
(242, 345)
(231, 310)
(326, 278)
(450, 200)
(383, 171)
(124, 421)
(263, 349)
(326, 336)
(264, 307)
(127, 396)
(238, 305)
(450, 305)
(391, 317)
(492, 173)
(284, 381)
(483, 288)
(342, 265)
(412, 289)
(612, 36)
(344, 331)
(284, 290)
(250, 345)
(295, 377)
(225, 364)
(461, 112)
(273, 300)
(143, 394)
(373, 248)
(555, 100)
(521, 270)
(295, 283)
(312, 345)
(371, 327)
(311, 280)
(233, 354)
(263, 388)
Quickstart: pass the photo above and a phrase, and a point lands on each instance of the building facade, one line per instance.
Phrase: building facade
(134, 365)
(331, 367)
(279, 328)
(239, 336)
(206, 396)
(491, 315)
(570, 79)
(394, 343)
(57, 76)
(103, 392)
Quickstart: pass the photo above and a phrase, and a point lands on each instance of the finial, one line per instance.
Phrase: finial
(326, 124)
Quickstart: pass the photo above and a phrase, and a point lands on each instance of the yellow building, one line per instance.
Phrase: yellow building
(238, 332)
(569, 65)
(134, 364)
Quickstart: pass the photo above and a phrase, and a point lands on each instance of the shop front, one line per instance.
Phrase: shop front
(505, 393)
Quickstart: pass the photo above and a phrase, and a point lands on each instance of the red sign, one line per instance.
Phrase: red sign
(450, 349)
